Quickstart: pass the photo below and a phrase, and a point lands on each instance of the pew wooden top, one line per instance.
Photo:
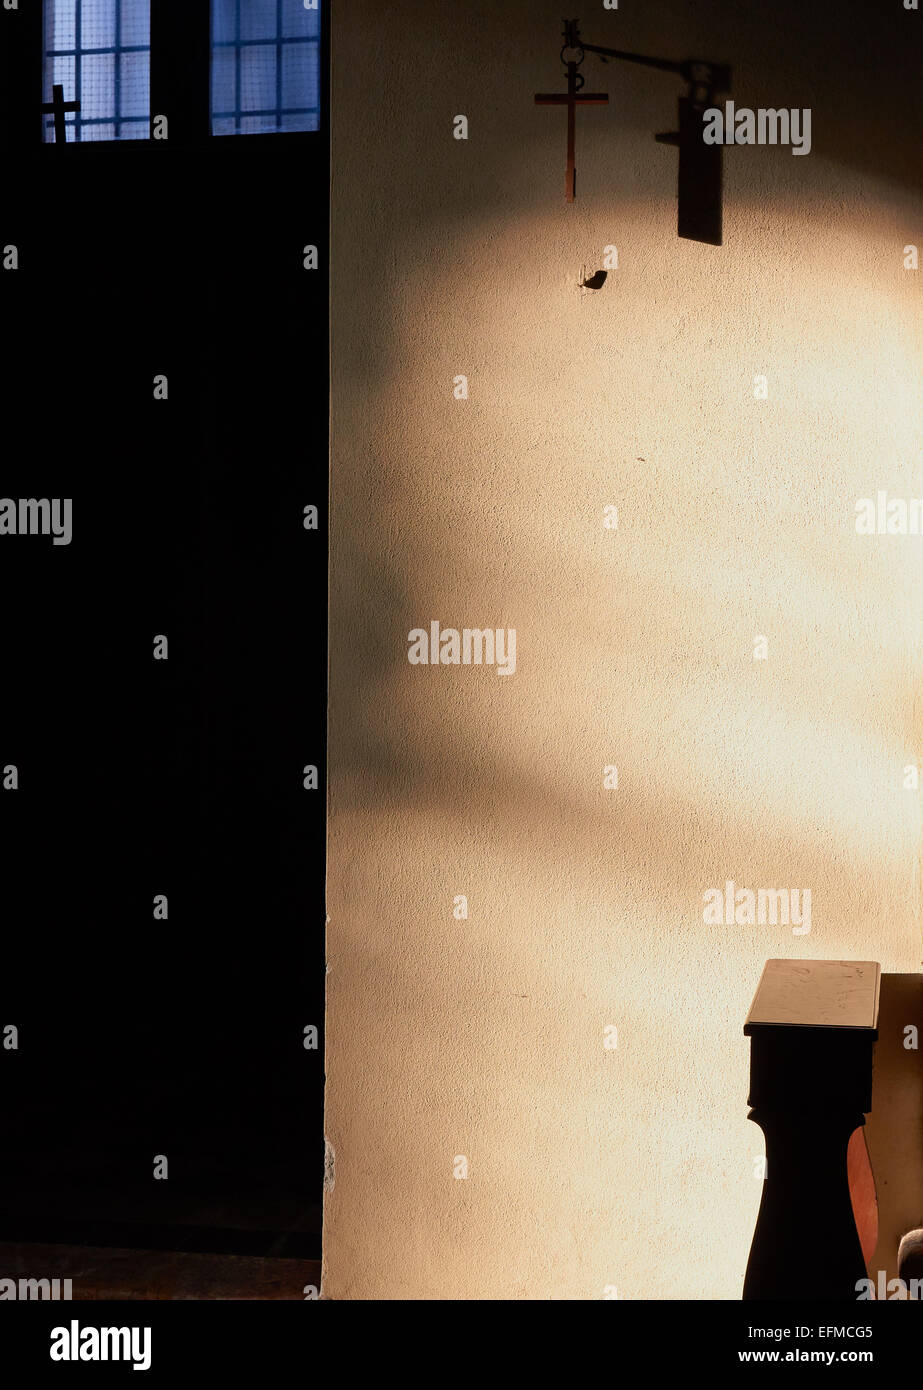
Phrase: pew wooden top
(816, 994)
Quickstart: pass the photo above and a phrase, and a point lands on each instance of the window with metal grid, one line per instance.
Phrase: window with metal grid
(99, 51)
(265, 66)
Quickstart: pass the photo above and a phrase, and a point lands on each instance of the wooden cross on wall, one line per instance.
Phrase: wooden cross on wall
(57, 107)
(572, 100)
(699, 186)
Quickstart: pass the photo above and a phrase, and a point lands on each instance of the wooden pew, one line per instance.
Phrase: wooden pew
(812, 1029)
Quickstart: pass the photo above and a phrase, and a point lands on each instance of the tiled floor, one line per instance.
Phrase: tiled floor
(103, 1273)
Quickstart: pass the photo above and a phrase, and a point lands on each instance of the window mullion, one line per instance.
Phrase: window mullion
(180, 67)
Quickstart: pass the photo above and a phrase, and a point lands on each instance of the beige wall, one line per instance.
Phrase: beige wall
(591, 1167)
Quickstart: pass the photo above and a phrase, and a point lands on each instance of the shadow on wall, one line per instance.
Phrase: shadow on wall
(489, 518)
(791, 56)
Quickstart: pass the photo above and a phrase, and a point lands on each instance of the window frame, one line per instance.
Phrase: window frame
(180, 83)
(116, 49)
(280, 42)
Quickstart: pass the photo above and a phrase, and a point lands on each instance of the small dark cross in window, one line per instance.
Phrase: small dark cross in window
(58, 106)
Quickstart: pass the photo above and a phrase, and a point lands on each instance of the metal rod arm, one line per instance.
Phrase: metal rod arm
(702, 75)
(663, 64)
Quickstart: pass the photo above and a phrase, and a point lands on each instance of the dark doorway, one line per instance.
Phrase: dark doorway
(140, 1035)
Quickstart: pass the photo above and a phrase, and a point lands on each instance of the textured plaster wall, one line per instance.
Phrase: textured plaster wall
(484, 1038)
